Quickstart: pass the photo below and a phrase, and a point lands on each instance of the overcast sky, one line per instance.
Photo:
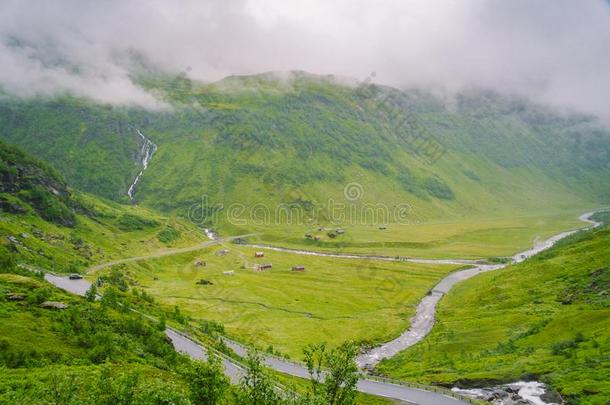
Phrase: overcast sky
(555, 51)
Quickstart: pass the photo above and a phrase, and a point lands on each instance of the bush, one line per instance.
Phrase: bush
(130, 222)
(168, 235)
(438, 189)
(206, 381)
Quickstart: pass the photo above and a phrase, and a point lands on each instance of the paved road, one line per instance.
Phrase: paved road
(184, 344)
(163, 253)
(78, 287)
(368, 386)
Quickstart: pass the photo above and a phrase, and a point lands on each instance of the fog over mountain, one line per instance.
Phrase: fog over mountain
(553, 51)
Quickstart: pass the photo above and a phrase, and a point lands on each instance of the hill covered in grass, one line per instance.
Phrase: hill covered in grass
(299, 140)
(44, 224)
(86, 353)
(547, 318)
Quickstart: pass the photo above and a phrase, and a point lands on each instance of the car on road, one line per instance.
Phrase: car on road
(75, 276)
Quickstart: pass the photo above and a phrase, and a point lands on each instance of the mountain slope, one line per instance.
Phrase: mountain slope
(301, 139)
(45, 224)
(95, 147)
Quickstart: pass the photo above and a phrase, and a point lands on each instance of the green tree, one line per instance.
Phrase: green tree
(334, 374)
(256, 386)
(91, 293)
(206, 381)
(111, 297)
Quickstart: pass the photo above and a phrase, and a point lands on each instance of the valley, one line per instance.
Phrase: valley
(231, 226)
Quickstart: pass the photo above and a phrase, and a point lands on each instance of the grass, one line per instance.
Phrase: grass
(334, 300)
(94, 239)
(547, 318)
(471, 238)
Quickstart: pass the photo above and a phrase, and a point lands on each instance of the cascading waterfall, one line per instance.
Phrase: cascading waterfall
(147, 151)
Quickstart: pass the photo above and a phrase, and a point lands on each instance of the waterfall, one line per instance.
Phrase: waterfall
(147, 151)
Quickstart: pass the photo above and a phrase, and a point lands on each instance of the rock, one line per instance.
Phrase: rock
(14, 240)
(54, 305)
(15, 297)
(11, 207)
(551, 397)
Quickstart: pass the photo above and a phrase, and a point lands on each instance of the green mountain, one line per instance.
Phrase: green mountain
(93, 146)
(300, 139)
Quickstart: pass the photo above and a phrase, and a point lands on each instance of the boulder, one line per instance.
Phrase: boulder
(54, 305)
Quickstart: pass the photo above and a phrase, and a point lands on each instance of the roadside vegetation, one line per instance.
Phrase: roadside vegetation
(82, 350)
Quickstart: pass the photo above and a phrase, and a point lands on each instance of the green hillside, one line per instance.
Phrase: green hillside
(547, 318)
(283, 155)
(45, 224)
(94, 146)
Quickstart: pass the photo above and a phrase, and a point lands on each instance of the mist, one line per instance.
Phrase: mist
(555, 52)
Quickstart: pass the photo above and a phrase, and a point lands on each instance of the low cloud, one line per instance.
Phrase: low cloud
(553, 51)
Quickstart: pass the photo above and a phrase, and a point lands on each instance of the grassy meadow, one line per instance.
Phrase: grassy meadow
(333, 300)
(466, 238)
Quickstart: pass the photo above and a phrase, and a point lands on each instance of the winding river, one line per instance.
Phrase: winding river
(424, 318)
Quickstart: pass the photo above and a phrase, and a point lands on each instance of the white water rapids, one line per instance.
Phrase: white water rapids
(146, 152)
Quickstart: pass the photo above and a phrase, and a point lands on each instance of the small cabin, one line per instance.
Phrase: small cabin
(383, 227)
(259, 254)
(264, 266)
(298, 268)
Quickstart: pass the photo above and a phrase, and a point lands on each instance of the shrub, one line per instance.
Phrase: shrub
(438, 189)
(168, 235)
(130, 222)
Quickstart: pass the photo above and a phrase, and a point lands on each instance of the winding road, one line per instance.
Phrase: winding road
(164, 253)
(421, 323)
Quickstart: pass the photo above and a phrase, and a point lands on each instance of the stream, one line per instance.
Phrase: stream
(423, 321)
(146, 152)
